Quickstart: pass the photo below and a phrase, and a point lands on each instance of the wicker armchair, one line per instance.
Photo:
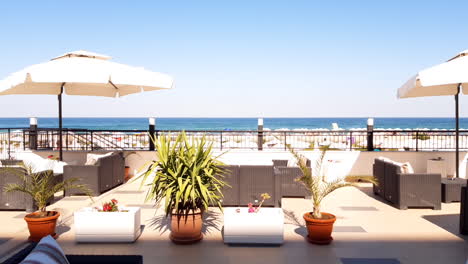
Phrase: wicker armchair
(106, 174)
(406, 190)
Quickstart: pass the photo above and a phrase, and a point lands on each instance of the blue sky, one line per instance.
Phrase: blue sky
(242, 58)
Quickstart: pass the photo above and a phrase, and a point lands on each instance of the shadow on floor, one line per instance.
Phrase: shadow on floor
(211, 223)
(449, 222)
(4, 239)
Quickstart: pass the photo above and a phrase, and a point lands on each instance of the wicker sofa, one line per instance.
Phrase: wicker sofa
(13, 200)
(10, 172)
(405, 190)
(107, 173)
(247, 182)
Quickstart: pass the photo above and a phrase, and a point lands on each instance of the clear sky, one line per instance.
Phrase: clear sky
(242, 58)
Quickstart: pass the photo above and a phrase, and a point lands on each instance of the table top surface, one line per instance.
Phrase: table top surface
(453, 181)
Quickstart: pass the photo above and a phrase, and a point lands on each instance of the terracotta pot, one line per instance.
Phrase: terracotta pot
(127, 173)
(186, 229)
(319, 230)
(41, 227)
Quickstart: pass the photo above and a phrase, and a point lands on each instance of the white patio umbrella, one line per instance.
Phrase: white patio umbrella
(447, 78)
(83, 73)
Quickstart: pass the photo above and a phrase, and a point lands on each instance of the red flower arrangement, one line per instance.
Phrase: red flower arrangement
(110, 206)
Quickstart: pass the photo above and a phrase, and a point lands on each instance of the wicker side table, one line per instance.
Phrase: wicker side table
(451, 189)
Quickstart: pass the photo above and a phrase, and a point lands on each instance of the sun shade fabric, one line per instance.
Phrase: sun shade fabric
(442, 79)
(84, 76)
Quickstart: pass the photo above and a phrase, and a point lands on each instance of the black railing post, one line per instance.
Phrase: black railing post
(417, 140)
(351, 140)
(32, 133)
(221, 140)
(92, 142)
(370, 134)
(285, 142)
(151, 134)
(24, 141)
(9, 144)
(260, 134)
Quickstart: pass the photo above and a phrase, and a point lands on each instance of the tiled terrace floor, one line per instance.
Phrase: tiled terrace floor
(366, 228)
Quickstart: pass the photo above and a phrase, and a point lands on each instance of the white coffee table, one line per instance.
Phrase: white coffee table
(93, 226)
(264, 227)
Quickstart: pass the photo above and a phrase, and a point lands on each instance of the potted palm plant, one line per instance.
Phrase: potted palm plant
(187, 177)
(319, 224)
(42, 186)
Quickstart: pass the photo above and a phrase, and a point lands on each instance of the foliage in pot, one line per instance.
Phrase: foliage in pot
(41, 187)
(319, 224)
(187, 178)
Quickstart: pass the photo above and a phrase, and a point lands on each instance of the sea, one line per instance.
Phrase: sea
(237, 124)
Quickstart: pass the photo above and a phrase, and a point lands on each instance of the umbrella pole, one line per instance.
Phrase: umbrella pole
(60, 122)
(457, 128)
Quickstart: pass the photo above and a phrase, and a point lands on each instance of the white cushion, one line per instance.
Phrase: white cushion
(92, 159)
(292, 163)
(407, 167)
(58, 166)
(47, 251)
(384, 159)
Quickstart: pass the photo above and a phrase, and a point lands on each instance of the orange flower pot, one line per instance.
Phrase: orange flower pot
(186, 229)
(40, 227)
(319, 230)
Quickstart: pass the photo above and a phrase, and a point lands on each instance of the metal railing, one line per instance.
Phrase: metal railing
(16, 139)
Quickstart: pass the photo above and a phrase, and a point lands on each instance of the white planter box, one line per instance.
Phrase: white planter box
(264, 227)
(93, 226)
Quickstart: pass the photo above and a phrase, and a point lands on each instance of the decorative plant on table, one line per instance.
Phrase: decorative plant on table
(41, 187)
(319, 224)
(252, 209)
(187, 178)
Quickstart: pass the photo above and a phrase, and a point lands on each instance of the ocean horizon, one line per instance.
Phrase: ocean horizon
(216, 123)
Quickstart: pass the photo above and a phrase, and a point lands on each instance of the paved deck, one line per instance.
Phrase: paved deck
(367, 231)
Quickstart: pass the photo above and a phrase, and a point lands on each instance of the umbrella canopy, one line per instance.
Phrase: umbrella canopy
(83, 73)
(448, 78)
(442, 79)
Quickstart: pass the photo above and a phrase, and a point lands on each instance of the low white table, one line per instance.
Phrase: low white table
(264, 227)
(94, 226)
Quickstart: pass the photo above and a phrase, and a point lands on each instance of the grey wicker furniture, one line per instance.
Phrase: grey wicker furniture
(286, 181)
(248, 182)
(13, 200)
(10, 172)
(464, 211)
(451, 189)
(405, 190)
(106, 174)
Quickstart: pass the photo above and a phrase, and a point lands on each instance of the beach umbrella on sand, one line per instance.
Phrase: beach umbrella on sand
(448, 78)
(83, 73)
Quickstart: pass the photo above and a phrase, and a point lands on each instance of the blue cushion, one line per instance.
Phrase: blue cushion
(47, 251)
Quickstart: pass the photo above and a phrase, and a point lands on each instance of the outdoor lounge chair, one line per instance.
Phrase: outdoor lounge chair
(10, 172)
(107, 173)
(13, 200)
(247, 183)
(405, 190)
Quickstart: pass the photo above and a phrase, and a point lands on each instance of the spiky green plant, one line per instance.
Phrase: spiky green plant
(187, 177)
(313, 180)
(42, 186)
